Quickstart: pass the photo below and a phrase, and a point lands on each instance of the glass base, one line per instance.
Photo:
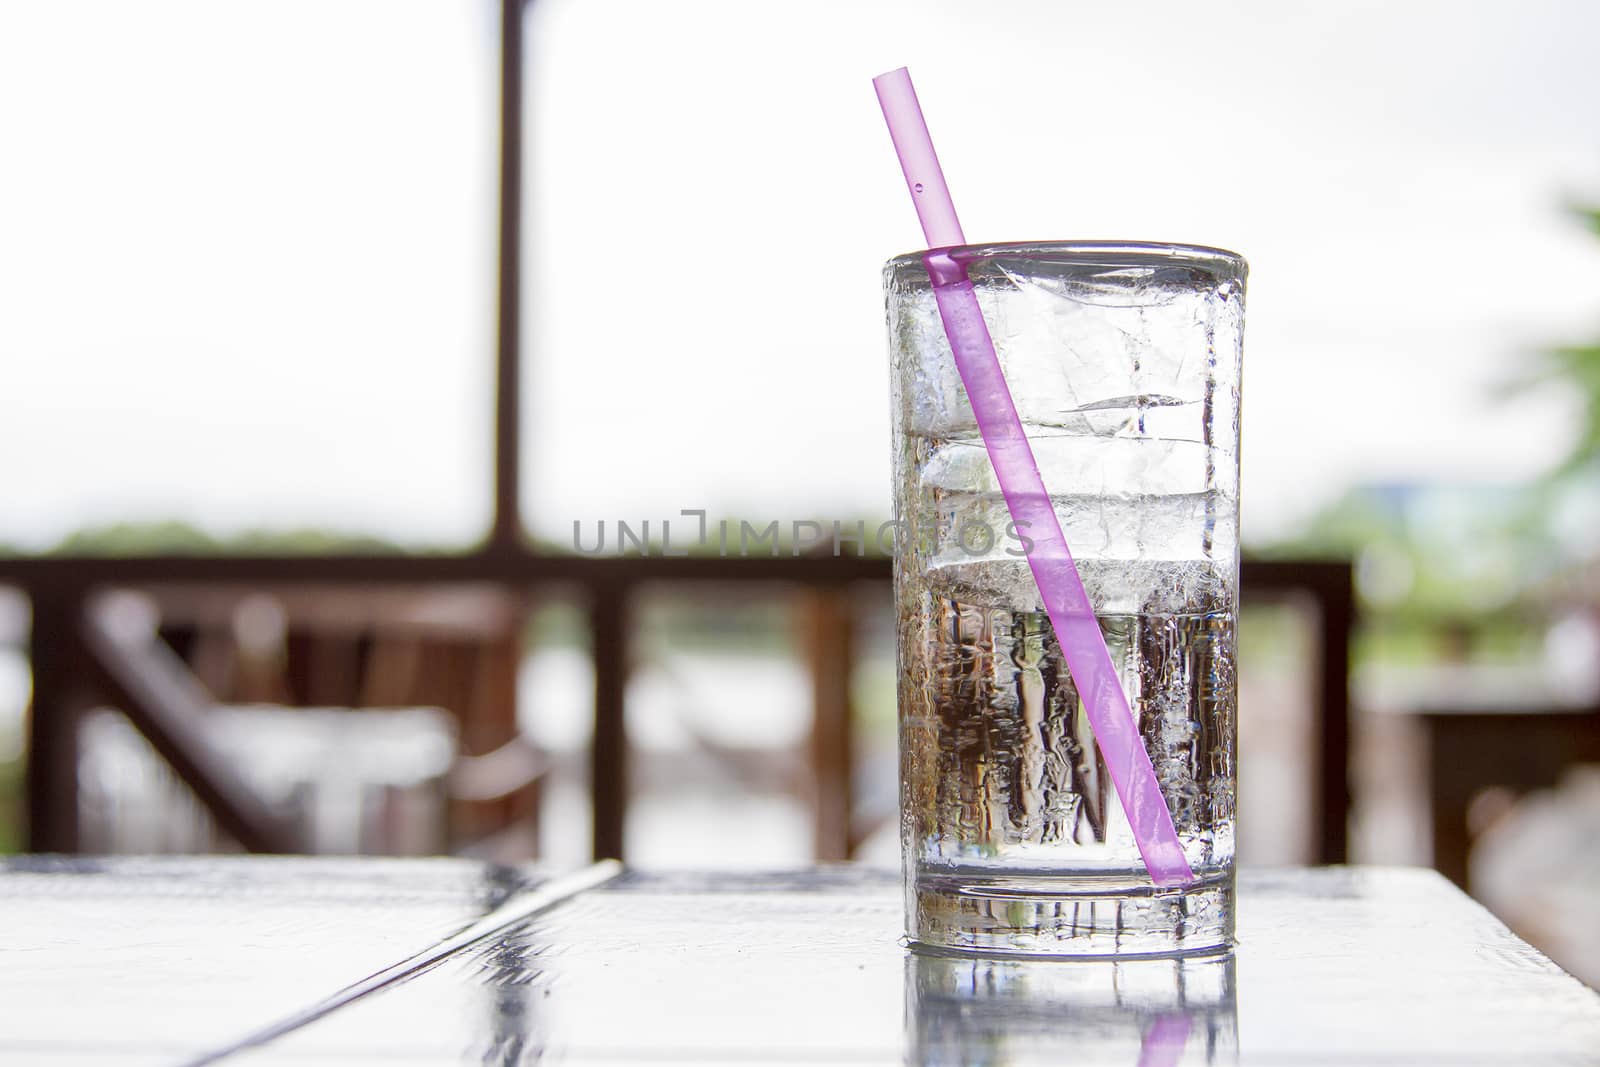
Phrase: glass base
(1054, 914)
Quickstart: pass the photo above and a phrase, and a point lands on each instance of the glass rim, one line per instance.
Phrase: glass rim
(1219, 261)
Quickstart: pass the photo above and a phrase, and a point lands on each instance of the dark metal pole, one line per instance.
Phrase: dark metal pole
(507, 530)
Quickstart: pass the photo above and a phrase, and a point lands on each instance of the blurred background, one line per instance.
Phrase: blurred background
(334, 330)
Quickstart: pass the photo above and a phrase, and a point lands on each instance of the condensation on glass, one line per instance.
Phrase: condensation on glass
(1124, 363)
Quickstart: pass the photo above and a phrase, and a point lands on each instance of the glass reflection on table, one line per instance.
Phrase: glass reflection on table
(1142, 1013)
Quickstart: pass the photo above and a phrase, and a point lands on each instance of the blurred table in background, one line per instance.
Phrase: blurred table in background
(372, 781)
(1471, 751)
(162, 961)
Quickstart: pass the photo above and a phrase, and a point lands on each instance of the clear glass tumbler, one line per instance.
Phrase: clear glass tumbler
(1123, 361)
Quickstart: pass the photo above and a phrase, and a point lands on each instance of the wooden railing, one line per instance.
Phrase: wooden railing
(77, 661)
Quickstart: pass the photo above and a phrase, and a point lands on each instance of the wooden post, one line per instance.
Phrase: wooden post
(59, 699)
(608, 752)
(829, 642)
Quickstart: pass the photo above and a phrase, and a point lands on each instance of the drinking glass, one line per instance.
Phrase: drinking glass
(1123, 361)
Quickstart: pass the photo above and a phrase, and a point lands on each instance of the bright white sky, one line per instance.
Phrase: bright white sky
(246, 248)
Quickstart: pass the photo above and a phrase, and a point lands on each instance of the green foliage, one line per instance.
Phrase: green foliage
(1579, 366)
(173, 538)
(1338, 532)
(754, 624)
(556, 622)
(1435, 561)
(168, 538)
(307, 541)
(10, 805)
(1433, 555)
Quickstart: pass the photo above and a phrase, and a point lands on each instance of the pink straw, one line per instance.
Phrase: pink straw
(1065, 599)
(1162, 1044)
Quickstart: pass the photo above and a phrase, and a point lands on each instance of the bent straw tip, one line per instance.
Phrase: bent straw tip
(895, 73)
